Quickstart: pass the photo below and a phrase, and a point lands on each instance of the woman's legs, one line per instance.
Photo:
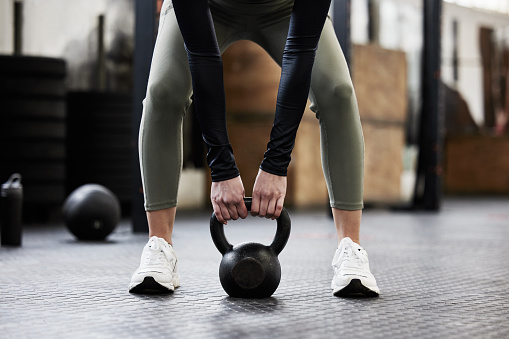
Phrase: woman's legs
(160, 136)
(334, 102)
(168, 97)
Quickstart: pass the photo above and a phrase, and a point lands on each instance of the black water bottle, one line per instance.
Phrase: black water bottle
(11, 206)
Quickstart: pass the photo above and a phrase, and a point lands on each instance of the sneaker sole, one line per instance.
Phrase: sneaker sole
(355, 289)
(150, 286)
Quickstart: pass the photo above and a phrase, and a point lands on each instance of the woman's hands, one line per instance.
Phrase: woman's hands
(269, 193)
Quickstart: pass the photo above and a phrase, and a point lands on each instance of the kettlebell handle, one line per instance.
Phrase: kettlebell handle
(277, 245)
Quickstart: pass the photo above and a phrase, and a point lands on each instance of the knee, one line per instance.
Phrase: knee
(167, 96)
(343, 92)
(338, 96)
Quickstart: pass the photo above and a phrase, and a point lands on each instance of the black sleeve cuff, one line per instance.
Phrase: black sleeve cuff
(282, 172)
(224, 176)
(222, 163)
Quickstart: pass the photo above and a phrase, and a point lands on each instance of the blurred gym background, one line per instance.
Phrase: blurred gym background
(431, 77)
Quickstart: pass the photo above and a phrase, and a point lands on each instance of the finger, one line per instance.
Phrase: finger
(255, 204)
(217, 213)
(279, 208)
(263, 207)
(271, 208)
(224, 213)
(235, 206)
(232, 210)
(242, 209)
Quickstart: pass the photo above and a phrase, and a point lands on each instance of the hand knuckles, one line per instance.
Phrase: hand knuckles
(266, 194)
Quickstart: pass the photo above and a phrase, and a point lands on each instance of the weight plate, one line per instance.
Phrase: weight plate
(89, 98)
(21, 109)
(22, 88)
(29, 129)
(41, 66)
(33, 150)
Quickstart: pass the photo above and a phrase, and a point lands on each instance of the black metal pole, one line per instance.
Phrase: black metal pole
(373, 23)
(145, 32)
(428, 189)
(341, 20)
(18, 27)
(101, 55)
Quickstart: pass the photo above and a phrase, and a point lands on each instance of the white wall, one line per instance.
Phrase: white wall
(470, 77)
(50, 25)
(6, 26)
(359, 22)
(68, 29)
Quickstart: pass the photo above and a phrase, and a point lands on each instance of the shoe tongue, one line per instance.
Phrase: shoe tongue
(345, 242)
(155, 243)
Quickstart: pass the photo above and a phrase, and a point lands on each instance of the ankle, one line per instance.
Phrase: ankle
(348, 224)
(160, 223)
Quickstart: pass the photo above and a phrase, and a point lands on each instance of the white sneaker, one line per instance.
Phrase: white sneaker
(158, 269)
(352, 277)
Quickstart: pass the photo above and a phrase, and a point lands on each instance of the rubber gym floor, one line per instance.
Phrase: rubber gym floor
(441, 275)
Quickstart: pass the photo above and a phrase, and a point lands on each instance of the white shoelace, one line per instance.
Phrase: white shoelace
(351, 257)
(156, 254)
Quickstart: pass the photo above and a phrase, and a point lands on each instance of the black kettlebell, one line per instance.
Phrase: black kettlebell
(250, 270)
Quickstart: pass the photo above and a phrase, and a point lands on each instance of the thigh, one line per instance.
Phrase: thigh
(169, 72)
(330, 75)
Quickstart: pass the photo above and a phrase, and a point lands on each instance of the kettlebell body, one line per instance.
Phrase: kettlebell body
(250, 270)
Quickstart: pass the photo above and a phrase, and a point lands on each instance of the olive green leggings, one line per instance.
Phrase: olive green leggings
(169, 92)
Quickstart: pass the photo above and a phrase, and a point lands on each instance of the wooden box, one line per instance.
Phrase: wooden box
(476, 164)
(380, 81)
(383, 163)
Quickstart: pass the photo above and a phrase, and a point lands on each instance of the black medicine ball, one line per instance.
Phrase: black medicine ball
(91, 212)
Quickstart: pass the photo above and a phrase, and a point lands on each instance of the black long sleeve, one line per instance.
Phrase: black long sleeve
(306, 24)
(205, 63)
(195, 22)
